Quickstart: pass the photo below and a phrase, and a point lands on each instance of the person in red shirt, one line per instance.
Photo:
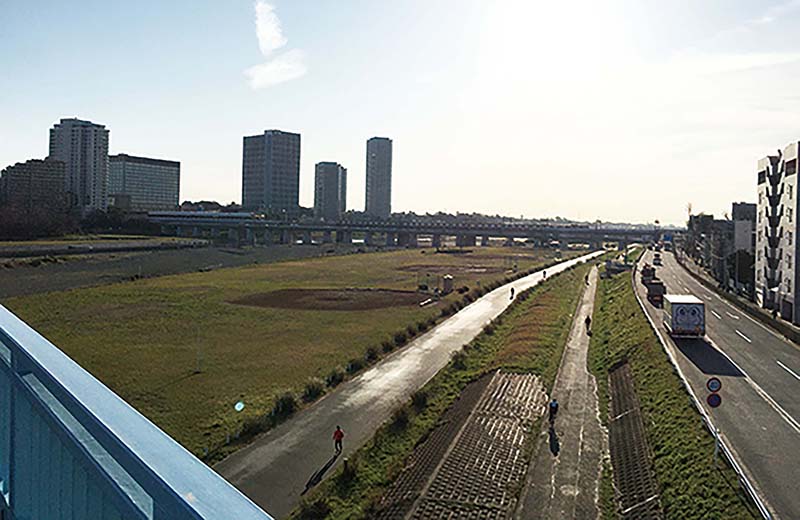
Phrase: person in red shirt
(338, 435)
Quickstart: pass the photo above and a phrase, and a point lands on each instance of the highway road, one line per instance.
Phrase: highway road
(760, 374)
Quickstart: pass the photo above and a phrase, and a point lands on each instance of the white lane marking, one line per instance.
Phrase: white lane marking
(735, 317)
(716, 315)
(788, 370)
(742, 335)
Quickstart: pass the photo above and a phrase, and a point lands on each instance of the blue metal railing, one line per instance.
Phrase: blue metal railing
(71, 448)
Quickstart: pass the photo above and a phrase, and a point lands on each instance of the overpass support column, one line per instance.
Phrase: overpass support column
(267, 237)
(413, 240)
(286, 236)
(436, 240)
(178, 231)
(390, 239)
(327, 237)
(251, 238)
(344, 237)
(509, 242)
(307, 237)
(465, 241)
(196, 232)
(403, 239)
(233, 235)
(369, 238)
(484, 240)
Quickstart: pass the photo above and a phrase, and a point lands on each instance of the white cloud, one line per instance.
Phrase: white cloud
(283, 67)
(276, 69)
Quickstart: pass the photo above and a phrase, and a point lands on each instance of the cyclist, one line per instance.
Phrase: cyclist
(553, 411)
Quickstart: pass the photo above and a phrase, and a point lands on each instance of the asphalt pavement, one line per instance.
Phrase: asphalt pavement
(760, 373)
(274, 470)
(564, 473)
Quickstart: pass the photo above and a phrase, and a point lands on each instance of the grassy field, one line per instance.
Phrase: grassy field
(71, 239)
(690, 485)
(143, 338)
(528, 337)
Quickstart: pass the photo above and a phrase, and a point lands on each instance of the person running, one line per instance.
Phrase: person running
(512, 293)
(338, 435)
(553, 411)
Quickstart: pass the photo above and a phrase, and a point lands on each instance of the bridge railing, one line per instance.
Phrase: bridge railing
(71, 448)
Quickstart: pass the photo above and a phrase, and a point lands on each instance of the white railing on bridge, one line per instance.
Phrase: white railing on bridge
(71, 448)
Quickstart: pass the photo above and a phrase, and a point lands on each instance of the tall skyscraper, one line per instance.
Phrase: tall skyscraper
(379, 177)
(83, 147)
(271, 173)
(150, 184)
(330, 191)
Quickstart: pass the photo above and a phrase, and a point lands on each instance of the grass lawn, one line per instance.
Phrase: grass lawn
(528, 337)
(690, 485)
(71, 239)
(143, 338)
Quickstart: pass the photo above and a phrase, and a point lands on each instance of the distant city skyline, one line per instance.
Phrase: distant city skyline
(514, 108)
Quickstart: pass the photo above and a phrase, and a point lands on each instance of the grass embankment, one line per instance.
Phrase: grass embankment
(690, 486)
(528, 337)
(143, 338)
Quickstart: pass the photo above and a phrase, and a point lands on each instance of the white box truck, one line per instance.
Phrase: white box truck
(684, 315)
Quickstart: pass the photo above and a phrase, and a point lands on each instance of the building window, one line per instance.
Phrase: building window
(789, 214)
(789, 237)
(788, 285)
(790, 191)
(789, 259)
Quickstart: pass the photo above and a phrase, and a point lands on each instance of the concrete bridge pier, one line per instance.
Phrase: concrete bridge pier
(327, 237)
(509, 242)
(250, 236)
(285, 236)
(436, 240)
(413, 240)
(307, 238)
(178, 231)
(484, 240)
(344, 237)
(369, 238)
(267, 237)
(403, 239)
(233, 236)
(466, 240)
(196, 232)
(390, 239)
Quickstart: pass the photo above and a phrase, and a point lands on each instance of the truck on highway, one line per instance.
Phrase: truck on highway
(656, 291)
(684, 316)
(657, 259)
(648, 272)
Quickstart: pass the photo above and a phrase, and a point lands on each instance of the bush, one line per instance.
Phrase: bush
(312, 390)
(354, 366)
(285, 405)
(422, 326)
(371, 354)
(459, 360)
(253, 425)
(419, 399)
(315, 510)
(334, 378)
(412, 331)
(400, 418)
(400, 339)
(387, 346)
(489, 329)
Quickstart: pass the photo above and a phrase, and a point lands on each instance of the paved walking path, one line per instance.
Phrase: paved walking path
(273, 471)
(564, 474)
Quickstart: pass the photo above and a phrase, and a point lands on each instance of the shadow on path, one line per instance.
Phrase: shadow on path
(555, 446)
(316, 478)
(707, 358)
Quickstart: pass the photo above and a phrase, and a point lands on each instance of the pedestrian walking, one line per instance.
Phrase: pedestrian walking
(338, 435)
(588, 322)
(553, 411)
(512, 293)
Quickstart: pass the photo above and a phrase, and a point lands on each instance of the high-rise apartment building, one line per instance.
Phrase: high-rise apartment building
(330, 191)
(83, 147)
(776, 234)
(35, 186)
(379, 177)
(148, 184)
(271, 173)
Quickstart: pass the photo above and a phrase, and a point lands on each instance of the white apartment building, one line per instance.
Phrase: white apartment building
(83, 147)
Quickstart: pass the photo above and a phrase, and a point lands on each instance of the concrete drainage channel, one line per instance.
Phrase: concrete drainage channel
(474, 460)
(743, 480)
(631, 456)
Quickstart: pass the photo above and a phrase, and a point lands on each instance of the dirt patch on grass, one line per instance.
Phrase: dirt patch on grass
(332, 299)
(449, 269)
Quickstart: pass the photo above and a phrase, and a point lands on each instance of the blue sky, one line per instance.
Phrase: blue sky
(620, 110)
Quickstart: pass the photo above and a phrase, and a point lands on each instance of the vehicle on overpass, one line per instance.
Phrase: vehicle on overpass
(684, 316)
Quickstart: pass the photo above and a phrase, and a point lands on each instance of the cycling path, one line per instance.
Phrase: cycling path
(274, 470)
(565, 470)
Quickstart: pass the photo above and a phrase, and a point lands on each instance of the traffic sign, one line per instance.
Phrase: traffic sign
(714, 384)
(714, 400)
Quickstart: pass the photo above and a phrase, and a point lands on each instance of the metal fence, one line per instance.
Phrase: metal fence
(71, 448)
